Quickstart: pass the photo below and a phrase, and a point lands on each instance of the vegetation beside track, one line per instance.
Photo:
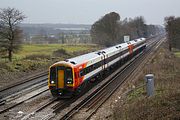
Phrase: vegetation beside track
(36, 58)
(165, 104)
(177, 54)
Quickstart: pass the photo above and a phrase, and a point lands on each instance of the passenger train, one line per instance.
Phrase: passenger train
(67, 77)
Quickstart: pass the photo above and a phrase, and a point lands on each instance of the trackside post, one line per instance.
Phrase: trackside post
(149, 80)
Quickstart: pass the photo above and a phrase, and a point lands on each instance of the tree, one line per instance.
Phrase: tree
(173, 29)
(109, 30)
(136, 27)
(140, 25)
(10, 32)
(105, 30)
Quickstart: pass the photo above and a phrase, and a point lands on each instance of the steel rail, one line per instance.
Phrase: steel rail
(22, 86)
(112, 91)
(79, 106)
(18, 103)
(24, 81)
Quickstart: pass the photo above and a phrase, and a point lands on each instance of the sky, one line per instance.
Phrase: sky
(89, 11)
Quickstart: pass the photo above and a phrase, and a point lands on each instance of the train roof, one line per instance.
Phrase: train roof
(83, 58)
(121, 46)
(93, 55)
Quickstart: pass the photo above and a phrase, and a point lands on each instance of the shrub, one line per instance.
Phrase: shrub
(61, 53)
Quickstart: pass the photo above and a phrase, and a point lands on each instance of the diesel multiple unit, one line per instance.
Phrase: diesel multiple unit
(67, 77)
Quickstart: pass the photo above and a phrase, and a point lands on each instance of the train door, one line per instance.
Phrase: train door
(60, 77)
(65, 77)
(120, 56)
(104, 60)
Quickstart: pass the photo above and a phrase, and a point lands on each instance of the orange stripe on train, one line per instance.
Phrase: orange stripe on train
(130, 48)
(79, 79)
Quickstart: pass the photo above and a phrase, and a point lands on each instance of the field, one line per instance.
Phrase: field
(35, 58)
(48, 49)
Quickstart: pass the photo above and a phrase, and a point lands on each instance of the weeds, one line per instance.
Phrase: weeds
(165, 104)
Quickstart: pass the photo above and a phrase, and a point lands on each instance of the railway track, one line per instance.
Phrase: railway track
(18, 93)
(24, 80)
(88, 102)
(95, 105)
(14, 89)
(93, 101)
(15, 102)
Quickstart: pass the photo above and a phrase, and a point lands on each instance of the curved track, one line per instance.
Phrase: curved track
(90, 101)
(94, 100)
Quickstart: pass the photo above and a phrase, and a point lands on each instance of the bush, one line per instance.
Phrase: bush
(61, 53)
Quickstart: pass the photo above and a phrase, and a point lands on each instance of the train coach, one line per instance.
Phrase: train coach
(68, 77)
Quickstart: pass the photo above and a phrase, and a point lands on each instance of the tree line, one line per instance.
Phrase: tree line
(173, 31)
(110, 29)
(107, 31)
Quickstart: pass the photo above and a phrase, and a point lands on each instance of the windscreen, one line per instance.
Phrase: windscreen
(53, 73)
(69, 75)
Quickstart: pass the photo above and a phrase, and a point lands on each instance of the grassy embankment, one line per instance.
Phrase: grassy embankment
(38, 57)
(165, 104)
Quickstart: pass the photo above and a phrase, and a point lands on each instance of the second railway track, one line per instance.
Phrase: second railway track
(24, 84)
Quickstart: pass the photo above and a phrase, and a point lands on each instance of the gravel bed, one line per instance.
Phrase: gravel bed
(9, 78)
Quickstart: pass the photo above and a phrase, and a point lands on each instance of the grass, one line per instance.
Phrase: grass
(165, 104)
(134, 94)
(43, 54)
(34, 58)
(177, 54)
(47, 49)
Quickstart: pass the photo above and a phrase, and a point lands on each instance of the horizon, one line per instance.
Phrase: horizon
(89, 11)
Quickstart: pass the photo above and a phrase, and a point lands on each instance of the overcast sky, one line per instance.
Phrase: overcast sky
(89, 11)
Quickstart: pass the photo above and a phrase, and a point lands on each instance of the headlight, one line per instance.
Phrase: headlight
(69, 82)
(52, 82)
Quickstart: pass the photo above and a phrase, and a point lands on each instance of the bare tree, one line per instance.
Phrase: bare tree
(10, 32)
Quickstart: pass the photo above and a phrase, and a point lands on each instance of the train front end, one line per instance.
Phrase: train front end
(61, 79)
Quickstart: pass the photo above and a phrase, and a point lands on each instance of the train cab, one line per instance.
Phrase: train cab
(61, 79)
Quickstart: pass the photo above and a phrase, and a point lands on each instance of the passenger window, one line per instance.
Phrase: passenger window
(81, 73)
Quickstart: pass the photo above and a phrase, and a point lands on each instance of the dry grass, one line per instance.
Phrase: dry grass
(165, 104)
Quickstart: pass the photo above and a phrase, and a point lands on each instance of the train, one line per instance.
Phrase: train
(67, 78)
